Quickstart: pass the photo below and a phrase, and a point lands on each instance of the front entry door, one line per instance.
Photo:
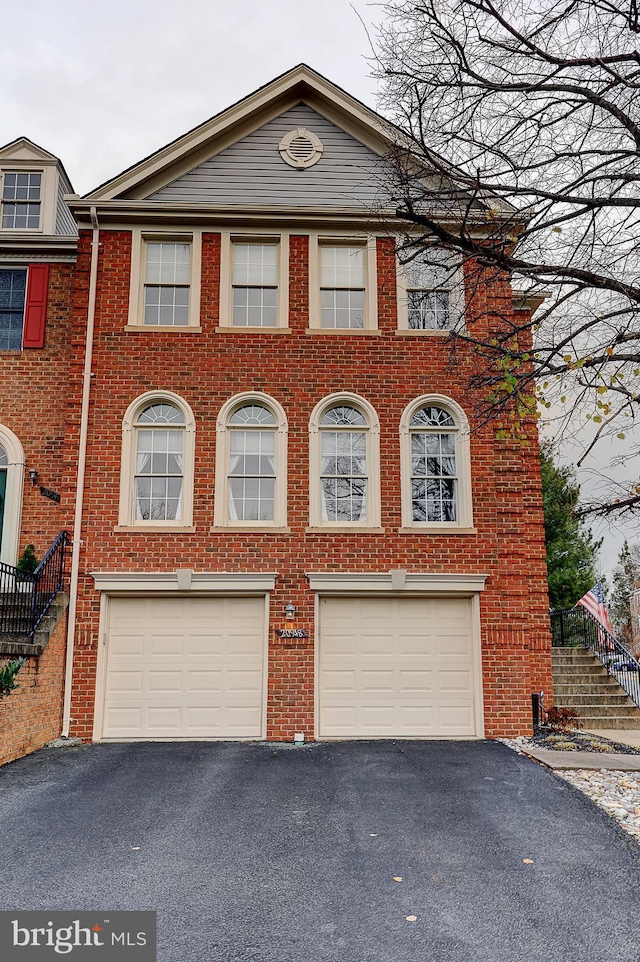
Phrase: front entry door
(3, 489)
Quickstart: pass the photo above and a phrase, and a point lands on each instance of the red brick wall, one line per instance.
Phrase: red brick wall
(298, 370)
(33, 404)
(31, 715)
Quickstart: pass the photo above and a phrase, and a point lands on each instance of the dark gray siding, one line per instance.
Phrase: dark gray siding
(252, 172)
(65, 224)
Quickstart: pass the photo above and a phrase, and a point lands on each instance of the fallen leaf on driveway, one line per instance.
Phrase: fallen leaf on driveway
(135, 848)
(528, 861)
(371, 835)
(397, 878)
(411, 918)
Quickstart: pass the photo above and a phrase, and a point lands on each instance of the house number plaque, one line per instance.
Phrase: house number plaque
(52, 495)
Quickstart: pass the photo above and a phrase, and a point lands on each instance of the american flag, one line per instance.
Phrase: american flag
(595, 604)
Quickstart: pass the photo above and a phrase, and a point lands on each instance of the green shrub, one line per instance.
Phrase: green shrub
(8, 673)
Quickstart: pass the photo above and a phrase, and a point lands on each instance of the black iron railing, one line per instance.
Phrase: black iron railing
(26, 598)
(576, 627)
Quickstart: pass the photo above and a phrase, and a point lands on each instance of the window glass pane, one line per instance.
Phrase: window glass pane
(344, 499)
(251, 499)
(252, 414)
(433, 472)
(432, 417)
(168, 263)
(167, 305)
(341, 266)
(161, 413)
(424, 271)
(342, 309)
(428, 310)
(254, 306)
(12, 298)
(255, 265)
(342, 415)
(344, 453)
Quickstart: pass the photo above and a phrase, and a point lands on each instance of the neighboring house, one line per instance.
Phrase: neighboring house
(635, 620)
(38, 243)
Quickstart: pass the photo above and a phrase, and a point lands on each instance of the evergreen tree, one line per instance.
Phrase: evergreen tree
(571, 548)
(625, 574)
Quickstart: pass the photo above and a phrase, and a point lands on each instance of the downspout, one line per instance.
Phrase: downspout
(82, 460)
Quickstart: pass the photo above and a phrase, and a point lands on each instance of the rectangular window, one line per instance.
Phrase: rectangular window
(13, 285)
(255, 285)
(433, 477)
(167, 281)
(21, 201)
(342, 289)
(431, 293)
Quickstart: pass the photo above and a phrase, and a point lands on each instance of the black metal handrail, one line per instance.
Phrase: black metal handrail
(576, 627)
(25, 598)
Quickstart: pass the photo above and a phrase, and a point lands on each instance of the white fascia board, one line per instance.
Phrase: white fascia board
(216, 582)
(338, 582)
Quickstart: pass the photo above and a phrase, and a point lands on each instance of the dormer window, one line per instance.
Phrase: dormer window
(21, 200)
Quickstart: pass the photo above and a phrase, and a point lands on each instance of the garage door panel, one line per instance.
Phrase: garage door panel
(396, 667)
(184, 668)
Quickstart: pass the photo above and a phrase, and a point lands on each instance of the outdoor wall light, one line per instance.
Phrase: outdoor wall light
(33, 476)
(290, 611)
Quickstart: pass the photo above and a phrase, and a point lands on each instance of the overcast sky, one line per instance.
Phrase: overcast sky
(101, 85)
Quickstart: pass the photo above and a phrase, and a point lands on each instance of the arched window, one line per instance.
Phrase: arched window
(251, 481)
(434, 437)
(157, 469)
(11, 489)
(344, 461)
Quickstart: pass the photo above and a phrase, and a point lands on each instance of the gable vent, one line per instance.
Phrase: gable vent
(300, 148)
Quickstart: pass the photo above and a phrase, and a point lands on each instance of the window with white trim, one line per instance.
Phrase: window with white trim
(166, 283)
(255, 284)
(342, 283)
(344, 463)
(431, 293)
(165, 280)
(157, 463)
(341, 286)
(251, 463)
(12, 465)
(21, 200)
(434, 437)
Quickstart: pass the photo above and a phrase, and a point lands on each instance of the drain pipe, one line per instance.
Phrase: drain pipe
(82, 460)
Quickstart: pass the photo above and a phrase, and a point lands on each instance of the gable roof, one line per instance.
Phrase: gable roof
(301, 84)
(24, 151)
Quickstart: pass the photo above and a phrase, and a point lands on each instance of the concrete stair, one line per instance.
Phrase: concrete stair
(581, 683)
(20, 643)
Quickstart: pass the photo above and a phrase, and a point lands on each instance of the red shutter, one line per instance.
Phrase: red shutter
(35, 309)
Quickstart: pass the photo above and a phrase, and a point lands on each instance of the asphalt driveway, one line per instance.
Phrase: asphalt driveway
(269, 853)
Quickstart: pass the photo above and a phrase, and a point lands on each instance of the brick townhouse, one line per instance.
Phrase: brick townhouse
(290, 520)
(38, 241)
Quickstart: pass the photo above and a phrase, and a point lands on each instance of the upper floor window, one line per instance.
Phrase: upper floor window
(344, 463)
(255, 284)
(342, 282)
(13, 287)
(21, 200)
(254, 281)
(157, 464)
(342, 286)
(165, 280)
(251, 463)
(431, 293)
(435, 455)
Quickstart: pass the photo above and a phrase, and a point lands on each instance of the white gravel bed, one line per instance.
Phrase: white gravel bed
(616, 793)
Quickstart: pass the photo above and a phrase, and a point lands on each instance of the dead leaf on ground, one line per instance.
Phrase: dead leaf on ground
(528, 861)
(371, 835)
(135, 848)
(411, 918)
(397, 878)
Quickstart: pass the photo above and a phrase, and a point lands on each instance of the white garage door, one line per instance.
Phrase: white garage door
(184, 668)
(397, 667)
